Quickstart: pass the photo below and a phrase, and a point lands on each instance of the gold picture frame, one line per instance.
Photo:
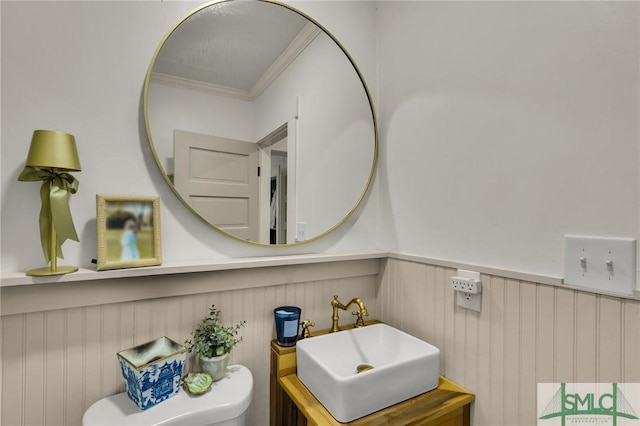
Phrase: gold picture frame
(128, 231)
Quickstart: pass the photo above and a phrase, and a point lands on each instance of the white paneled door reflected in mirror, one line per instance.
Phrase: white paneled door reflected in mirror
(260, 122)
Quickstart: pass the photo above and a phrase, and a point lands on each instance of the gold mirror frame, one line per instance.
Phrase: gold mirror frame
(168, 179)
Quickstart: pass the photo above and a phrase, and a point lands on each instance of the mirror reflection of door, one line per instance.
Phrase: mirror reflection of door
(278, 204)
(274, 158)
(220, 180)
(218, 177)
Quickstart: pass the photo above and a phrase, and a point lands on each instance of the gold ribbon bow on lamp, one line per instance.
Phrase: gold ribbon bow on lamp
(51, 155)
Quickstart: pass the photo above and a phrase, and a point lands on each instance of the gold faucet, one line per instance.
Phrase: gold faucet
(305, 328)
(335, 304)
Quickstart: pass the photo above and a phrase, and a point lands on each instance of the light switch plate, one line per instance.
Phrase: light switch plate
(601, 263)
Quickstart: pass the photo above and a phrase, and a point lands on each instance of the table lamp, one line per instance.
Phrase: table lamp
(51, 155)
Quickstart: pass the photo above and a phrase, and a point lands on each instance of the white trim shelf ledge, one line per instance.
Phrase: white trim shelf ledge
(20, 294)
(11, 279)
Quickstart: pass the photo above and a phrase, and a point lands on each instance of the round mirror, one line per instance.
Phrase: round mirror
(260, 122)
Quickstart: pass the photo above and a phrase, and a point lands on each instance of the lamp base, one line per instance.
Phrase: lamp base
(45, 272)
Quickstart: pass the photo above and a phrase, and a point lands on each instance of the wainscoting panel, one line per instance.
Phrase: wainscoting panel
(526, 333)
(56, 363)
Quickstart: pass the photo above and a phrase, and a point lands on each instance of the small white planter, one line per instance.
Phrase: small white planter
(216, 366)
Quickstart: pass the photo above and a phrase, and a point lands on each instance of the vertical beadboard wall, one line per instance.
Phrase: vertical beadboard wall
(526, 333)
(55, 364)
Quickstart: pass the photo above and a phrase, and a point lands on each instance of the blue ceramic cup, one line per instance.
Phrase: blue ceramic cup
(287, 323)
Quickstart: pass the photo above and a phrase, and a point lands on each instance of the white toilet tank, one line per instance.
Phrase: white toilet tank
(225, 404)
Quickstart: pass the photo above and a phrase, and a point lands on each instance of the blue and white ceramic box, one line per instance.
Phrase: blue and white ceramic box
(152, 371)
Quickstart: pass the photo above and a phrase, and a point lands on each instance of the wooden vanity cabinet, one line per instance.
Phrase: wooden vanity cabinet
(283, 411)
(291, 403)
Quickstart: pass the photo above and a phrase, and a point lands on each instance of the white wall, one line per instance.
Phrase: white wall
(505, 125)
(79, 67)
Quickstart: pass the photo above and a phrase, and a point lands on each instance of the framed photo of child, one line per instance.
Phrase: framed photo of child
(128, 230)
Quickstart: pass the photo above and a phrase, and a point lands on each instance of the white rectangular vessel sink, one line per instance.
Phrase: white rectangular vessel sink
(394, 366)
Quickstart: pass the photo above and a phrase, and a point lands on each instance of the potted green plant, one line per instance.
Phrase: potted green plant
(211, 341)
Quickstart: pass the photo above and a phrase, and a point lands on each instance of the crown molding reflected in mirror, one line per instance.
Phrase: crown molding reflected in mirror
(260, 122)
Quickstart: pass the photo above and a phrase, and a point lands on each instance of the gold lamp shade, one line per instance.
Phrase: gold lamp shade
(51, 156)
(53, 150)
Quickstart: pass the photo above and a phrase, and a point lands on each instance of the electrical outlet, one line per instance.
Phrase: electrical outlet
(301, 231)
(469, 301)
(468, 289)
(465, 285)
